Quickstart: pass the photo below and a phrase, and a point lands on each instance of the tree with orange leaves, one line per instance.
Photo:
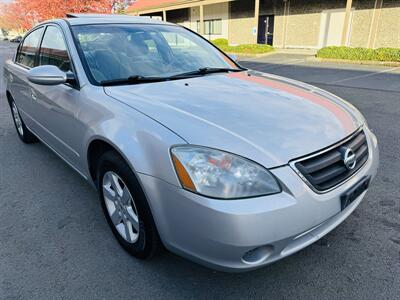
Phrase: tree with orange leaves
(23, 14)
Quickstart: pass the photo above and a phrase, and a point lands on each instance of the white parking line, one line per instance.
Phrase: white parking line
(364, 75)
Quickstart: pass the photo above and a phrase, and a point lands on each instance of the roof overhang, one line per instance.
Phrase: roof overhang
(172, 5)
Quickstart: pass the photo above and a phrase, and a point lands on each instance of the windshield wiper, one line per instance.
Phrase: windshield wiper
(136, 79)
(206, 70)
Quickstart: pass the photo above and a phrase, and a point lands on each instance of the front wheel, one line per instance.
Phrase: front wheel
(125, 207)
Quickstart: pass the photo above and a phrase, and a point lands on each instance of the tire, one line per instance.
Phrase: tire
(23, 132)
(142, 242)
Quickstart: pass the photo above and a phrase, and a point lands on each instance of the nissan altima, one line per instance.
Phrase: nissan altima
(229, 167)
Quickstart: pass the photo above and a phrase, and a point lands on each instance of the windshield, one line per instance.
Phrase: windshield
(117, 51)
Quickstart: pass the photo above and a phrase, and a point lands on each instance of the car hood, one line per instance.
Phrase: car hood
(260, 116)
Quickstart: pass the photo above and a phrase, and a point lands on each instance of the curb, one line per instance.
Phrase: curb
(244, 55)
(354, 62)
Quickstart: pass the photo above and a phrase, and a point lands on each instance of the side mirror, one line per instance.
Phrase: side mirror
(47, 75)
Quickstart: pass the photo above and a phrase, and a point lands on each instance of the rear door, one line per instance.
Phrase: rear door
(56, 107)
(25, 59)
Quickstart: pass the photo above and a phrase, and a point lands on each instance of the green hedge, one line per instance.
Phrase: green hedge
(220, 42)
(381, 54)
(242, 49)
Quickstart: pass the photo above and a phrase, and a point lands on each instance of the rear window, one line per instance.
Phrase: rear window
(26, 54)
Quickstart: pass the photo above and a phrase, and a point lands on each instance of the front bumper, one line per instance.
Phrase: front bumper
(220, 233)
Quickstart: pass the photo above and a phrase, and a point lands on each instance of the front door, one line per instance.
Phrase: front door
(265, 29)
(55, 108)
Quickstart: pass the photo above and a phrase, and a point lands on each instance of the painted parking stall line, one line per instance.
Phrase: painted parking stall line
(364, 75)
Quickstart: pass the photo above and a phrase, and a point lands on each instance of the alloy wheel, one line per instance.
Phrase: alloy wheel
(121, 207)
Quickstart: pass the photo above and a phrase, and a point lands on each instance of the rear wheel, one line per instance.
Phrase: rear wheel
(125, 207)
(23, 132)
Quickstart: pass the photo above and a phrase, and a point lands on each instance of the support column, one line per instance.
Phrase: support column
(201, 20)
(346, 22)
(286, 5)
(256, 17)
(164, 15)
(373, 31)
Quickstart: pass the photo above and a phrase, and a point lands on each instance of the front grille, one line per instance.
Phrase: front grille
(326, 170)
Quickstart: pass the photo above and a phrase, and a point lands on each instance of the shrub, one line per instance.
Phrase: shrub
(242, 49)
(380, 54)
(220, 42)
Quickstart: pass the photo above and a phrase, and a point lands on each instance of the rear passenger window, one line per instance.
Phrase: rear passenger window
(27, 51)
(53, 50)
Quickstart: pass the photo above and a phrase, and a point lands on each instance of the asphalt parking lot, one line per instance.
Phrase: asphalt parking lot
(55, 243)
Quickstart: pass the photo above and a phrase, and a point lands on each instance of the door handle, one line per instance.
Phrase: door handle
(33, 95)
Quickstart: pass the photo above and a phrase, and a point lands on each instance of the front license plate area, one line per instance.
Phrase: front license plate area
(355, 191)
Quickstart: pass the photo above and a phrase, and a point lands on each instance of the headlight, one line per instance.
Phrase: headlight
(219, 174)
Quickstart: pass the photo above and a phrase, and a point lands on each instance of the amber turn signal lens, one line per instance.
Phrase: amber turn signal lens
(183, 176)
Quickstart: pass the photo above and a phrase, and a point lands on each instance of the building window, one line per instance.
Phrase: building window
(211, 27)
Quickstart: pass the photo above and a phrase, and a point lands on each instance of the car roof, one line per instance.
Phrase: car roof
(87, 19)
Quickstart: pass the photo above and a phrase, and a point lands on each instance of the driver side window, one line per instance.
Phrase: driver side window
(53, 50)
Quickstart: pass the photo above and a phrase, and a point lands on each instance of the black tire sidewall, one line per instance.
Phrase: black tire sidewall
(145, 246)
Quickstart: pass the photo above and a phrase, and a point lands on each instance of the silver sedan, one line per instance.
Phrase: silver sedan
(226, 166)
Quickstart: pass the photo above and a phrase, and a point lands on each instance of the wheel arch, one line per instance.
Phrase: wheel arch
(96, 148)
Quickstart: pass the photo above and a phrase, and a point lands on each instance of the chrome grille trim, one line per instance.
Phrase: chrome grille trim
(354, 135)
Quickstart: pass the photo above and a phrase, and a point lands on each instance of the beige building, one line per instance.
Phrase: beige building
(284, 23)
